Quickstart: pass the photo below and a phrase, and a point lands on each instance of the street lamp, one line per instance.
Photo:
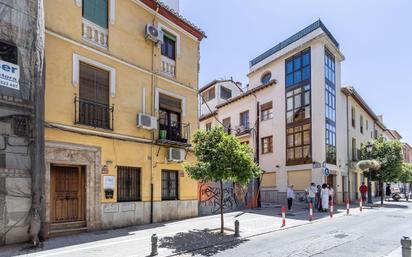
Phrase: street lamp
(369, 148)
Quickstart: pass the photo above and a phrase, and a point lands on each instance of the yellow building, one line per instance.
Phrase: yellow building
(120, 108)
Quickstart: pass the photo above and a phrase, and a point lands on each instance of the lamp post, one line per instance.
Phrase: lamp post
(369, 148)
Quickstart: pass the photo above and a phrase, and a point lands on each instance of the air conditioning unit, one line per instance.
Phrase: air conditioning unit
(176, 154)
(154, 34)
(146, 121)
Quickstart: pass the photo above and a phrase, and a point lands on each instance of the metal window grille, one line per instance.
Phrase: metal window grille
(170, 185)
(128, 184)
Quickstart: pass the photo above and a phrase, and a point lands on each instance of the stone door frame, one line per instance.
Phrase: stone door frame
(61, 153)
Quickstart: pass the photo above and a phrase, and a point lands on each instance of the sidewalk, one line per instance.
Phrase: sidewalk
(178, 236)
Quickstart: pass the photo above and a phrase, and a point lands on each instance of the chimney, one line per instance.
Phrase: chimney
(380, 118)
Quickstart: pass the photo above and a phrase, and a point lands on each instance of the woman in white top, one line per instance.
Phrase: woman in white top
(324, 195)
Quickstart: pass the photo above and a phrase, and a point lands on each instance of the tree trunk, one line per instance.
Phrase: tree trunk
(381, 189)
(221, 208)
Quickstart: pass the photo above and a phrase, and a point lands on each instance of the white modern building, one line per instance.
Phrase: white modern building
(298, 117)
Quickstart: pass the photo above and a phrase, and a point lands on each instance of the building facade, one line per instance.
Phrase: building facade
(121, 81)
(299, 119)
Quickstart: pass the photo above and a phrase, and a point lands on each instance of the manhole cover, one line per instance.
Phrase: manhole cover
(340, 236)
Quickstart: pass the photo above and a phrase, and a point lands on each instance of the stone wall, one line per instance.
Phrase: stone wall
(115, 215)
(15, 203)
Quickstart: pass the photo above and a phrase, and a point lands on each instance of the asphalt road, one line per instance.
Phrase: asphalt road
(376, 233)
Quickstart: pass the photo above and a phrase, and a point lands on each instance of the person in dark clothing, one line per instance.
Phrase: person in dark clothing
(388, 191)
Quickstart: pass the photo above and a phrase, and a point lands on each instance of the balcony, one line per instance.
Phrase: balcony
(168, 67)
(173, 133)
(94, 34)
(243, 129)
(93, 114)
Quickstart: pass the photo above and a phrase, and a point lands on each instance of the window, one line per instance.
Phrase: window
(354, 157)
(94, 109)
(266, 111)
(330, 108)
(96, 11)
(266, 78)
(8, 53)
(267, 145)
(244, 119)
(353, 113)
(226, 125)
(128, 184)
(298, 104)
(208, 126)
(298, 68)
(170, 125)
(225, 93)
(169, 46)
(367, 125)
(170, 185)
(361, 124)
(208, 95)
(299, 144)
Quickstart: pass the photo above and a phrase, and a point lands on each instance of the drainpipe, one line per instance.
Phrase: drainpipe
(153, 91)
(257, 149)
(347, 144)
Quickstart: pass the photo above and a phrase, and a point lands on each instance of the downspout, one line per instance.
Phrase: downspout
(347, 145)
(257, 150)
(153, 110)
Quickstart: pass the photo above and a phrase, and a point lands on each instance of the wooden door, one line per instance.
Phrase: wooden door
(67, 195)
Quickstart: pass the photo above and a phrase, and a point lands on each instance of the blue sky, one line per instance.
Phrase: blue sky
(374, 35)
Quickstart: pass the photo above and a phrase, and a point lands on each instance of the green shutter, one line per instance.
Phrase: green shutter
(96, 11)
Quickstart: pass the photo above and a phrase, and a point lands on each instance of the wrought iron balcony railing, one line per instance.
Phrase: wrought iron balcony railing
(93, 114)
(174, 131)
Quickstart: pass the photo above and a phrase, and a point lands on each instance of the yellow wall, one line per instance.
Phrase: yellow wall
(300, 179)
(126, 44)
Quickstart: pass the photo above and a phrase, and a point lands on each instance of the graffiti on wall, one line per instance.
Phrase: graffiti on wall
(235, 197)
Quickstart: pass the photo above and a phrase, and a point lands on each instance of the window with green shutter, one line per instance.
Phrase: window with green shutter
(96, 11)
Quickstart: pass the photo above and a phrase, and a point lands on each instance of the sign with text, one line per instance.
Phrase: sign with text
(109, 182)
(9, 75)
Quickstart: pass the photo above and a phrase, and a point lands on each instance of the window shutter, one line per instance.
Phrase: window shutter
(96, 11)
(170, 103)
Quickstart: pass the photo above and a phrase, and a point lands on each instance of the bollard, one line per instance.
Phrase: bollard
(310, 212)
(283, 216)
(347, 207)
(237, 234)
(360, 204)
(331, 209)
(154, 245)
(406, 246)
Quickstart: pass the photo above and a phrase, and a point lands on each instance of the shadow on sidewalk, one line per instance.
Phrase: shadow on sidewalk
(200, 242)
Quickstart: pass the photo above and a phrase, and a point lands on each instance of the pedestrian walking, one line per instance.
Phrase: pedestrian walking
(319, 199)
(363, 189)
(290, 195)
(311, 191)
(331, 193)
(388, 192)
(324, 194)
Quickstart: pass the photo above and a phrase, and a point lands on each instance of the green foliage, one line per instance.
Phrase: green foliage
(406, 174)
(221, 156)
(388, 153)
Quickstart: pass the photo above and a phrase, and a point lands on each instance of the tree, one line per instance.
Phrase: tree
(406, 173)
(388, 153)
(221, 157)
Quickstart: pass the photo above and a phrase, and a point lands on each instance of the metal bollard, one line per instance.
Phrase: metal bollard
(406, 246)
(154, 245)
(237, 234)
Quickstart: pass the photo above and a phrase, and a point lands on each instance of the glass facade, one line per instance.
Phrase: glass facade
(330, 107)
(298, 109)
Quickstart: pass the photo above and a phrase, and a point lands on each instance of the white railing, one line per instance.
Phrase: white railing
(94, 33)
(168, 66)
